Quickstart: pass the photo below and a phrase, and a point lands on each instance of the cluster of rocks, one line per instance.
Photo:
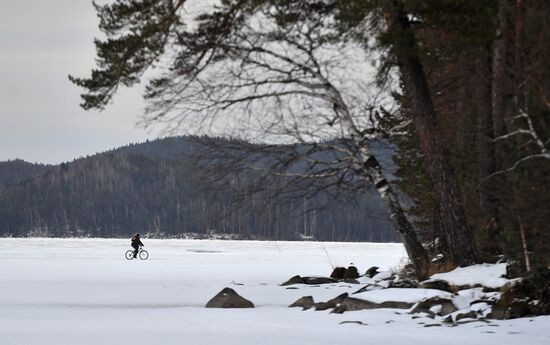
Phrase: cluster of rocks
(446, 311)
(346, 274)
(529, 296)
(462, 304)
(344, 302)
(459, 304)
(339, 274)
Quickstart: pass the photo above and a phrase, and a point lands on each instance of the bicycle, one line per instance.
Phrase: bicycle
(142, 254)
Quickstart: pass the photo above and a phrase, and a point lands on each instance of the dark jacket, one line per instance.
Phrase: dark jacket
(136, 242)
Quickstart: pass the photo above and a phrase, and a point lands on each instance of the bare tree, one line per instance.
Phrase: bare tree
(291, 83)
(269, 72)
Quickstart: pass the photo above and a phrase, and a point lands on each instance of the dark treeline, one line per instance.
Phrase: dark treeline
(158, 188)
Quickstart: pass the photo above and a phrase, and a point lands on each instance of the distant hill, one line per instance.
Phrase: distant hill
(171, 148)
(156, 188)
(18, 170)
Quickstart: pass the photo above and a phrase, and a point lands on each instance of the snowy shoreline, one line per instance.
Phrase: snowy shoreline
(83, 291)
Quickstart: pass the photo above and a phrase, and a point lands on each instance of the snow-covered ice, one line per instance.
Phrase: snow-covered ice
(83, 291)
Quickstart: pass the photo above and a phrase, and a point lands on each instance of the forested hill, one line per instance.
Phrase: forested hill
(18, 170)
(157, 188)
(171, 148)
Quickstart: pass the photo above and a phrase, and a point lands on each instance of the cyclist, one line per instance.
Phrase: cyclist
(136, 242)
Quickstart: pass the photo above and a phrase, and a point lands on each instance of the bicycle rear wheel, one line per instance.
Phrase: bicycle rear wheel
(143, 255)
(129, 254)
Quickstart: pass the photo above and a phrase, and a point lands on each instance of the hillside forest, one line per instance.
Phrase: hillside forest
(162, 189)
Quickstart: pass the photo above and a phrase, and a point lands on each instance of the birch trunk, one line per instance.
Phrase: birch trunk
(415, 250)
(371, 168)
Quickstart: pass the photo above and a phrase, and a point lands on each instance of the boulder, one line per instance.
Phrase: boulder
(351, 281)
(351, 273)
(322, 306)
(228, 298)
(437, 284)
(319, 280)
(466, 315)
(485, 288)
(305, 303)
(338, 299)
(404, 284)
(338, 273)
(454, 319)
(294, 280)
(351, 304)
(371, 272)
(333, 303)
(309, 280)
(425, 306)
(395, 305)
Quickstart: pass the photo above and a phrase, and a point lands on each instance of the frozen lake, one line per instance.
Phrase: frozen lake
(83, 291)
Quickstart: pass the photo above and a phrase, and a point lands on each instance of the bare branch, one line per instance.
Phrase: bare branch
(543, 151)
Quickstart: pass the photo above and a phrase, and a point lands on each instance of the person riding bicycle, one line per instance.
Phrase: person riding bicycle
(136, 243)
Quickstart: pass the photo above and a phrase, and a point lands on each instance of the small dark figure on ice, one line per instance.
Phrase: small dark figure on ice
(136, 243)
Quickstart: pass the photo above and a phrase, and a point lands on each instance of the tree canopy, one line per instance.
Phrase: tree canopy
(457, 85)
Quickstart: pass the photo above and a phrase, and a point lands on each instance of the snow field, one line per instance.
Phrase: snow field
(83, 291)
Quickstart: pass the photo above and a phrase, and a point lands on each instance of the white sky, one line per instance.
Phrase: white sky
(41, 42)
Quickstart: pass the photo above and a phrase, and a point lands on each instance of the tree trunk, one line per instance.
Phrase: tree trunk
(372, 170)
(459, 235)
(502, 94)
(414, 248)
(502, 100)
(488, 200)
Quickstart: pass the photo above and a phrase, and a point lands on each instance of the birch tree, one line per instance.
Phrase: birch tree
(260, 72)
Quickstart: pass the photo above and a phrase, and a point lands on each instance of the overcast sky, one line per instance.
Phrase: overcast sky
(41, 42)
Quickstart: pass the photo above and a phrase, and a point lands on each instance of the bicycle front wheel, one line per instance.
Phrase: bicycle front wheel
(143, 255)
(129, 254)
